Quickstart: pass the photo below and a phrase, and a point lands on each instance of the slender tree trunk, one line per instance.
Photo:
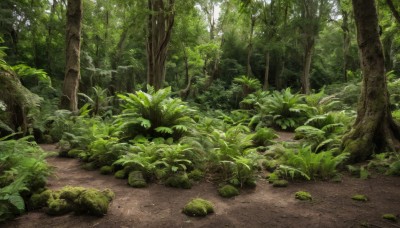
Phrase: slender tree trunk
(395, 13)
(305, 79)
(49, 38)
(72, 69)
(250, 46)
(374, 130)
(346, 43)
(266, 74)
(160, 23)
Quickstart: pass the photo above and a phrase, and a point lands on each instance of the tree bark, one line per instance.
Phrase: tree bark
(374, 130)
(266, 74)
(346, 42)
(69, 98)
(250, 46)
(160, 22)
(305, 79)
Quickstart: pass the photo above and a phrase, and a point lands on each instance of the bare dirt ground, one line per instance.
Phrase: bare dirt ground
(265, 206)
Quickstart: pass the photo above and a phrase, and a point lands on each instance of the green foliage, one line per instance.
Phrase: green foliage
(23, 170)
(390, 217)
(283, 109)
(311, 165)
(198, 207)
(179, 180)
(154, 114)
(264, 136)
(280, 183)
(136, 179)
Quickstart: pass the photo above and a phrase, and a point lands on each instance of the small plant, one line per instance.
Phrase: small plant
(302, 195)
(359, 197)
(198, 207)
(136, 180)
(280, 183)
(228, 191)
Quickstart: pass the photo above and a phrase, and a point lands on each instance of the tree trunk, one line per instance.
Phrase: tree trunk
(266, 74)
(69, 98)
(49, 38)
(346, 43)
(250, 46)
(160, 23)
(374, 130)
(305, 79)
(395, 13)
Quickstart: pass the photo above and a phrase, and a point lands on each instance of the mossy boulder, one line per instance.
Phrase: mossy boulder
(179, 181)
(228, 191)
(198, 207)
(73, 199)
(196, 175)
(390, 217)
(93, 202)
(280, 183)
(302, 195)
(120, 174)
(272, 177)
(250, 183)
(359, 197)
(39, 200)
(106, 170)
(136, 179)
(59, 207)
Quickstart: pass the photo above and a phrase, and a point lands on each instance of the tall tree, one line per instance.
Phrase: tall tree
(374, 129)
(392, 8)
(69, 98)
(159, 28)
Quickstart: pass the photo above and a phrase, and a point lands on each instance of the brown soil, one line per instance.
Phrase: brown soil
(265, 206)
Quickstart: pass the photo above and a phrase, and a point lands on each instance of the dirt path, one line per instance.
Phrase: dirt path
(159, 206)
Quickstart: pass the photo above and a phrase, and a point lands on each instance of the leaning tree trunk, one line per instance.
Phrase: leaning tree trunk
(374, 130)
(69, 99)
(159, 25)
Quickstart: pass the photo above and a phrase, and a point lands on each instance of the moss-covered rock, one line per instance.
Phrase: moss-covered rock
(196, 175)
(71, 194)
(228, 191)
(58, 207)
(272, 177)
(39, 200)
(198, 207)
(179, 181)
(120, 174)
(136, 179)
(359, 197)
(106, 170)
(302, 195)
(280, 183)
(390, 217)
(250, 183)
(93, 202)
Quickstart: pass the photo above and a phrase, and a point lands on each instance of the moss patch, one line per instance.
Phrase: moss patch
(136, 179)
(120, 174)
(198, 207)
(302, 195)
(89, 166)
(360, 197)
(280, 183)
(390, 217)
(179, 181)
(74, 153)
(272, 177)
(228, 191)
(73, 199)
(106, 170)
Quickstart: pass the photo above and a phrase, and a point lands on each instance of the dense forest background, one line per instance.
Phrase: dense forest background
(212, 42)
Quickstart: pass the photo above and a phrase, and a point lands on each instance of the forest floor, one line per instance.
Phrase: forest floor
(264, 206)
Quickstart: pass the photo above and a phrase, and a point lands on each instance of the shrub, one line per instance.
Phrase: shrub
(154, 114)
(136, 179)
(179, 181)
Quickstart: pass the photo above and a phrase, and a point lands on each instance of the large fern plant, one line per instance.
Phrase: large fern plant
(154, 114)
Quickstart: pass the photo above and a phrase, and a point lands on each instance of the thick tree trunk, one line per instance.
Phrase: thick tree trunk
(160, 23)
(395, 13)
(374, 130)
(69, 98)
(266, 74)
